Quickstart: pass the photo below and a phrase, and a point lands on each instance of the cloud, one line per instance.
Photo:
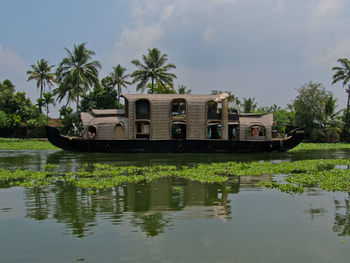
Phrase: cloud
(12, 65)
(249, 45)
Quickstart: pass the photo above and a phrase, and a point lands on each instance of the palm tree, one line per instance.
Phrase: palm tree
(249, 105)
(182, 89)
(41, 72)
(47, 100)
(343, 74)
(76, 74)
(154, 69)
(117, 78)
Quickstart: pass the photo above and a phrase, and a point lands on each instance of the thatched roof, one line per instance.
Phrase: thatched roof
(170, 97)
(247, 120)
(108, 112)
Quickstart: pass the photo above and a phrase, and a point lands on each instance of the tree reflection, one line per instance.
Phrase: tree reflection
(152, 224)
(149, 204)
(38, 206)
(75, 208)
(342, 218)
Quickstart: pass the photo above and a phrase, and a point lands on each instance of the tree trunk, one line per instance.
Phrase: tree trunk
(41, 97)
(119, 91)
(152, 86)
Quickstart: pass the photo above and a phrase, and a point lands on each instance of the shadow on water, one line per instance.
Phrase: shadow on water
(37, 159)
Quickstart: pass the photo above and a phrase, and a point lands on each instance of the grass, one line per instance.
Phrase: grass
(25, 144)
(329, 175)
(320, 146)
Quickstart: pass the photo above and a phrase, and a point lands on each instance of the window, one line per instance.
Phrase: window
(119, 131)
(142, 130)
(178, 131)
(213, 110)
(256, 131)
(214, 131)
(142, 109)
(178, 108)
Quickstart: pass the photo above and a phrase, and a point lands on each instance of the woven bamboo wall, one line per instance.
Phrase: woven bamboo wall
(160, 116)
(196, 118)
(131, 117)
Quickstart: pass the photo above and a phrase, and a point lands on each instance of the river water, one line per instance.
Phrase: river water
(170, 220)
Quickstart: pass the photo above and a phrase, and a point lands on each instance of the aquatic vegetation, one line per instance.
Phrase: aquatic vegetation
(330, 175)
(23, 144)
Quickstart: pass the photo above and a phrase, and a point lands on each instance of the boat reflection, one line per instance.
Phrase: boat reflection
(148, 206)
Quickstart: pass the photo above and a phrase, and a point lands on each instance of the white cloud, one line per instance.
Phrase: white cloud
(12, 65)
(275, 44)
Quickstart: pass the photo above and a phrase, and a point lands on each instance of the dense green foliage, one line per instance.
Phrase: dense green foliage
(18, 116)
(313, 108)
(101, 97)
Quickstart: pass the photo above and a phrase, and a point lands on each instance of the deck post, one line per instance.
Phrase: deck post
(224, 119)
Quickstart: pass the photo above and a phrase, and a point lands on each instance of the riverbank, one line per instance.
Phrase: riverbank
(25, 144)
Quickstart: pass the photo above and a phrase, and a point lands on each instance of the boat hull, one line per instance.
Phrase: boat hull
(170, 146)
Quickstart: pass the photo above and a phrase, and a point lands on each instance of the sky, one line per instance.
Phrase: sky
(264, 49)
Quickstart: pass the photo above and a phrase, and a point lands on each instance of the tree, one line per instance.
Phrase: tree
(310, 107)
(47, 100)
(41, 72)
(76, 74)
(117, 78)
(160, 89)
(16, 111)
(331, 123)
(182, 89)
(249, 105)
(342, 74)
(154, 68)
(101, 97)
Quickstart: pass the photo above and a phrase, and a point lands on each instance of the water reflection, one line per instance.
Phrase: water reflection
(145, 204)
(147, 207)
(36, 159)
(342, 217)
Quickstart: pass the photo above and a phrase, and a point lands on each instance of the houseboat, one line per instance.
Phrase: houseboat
(175, 123)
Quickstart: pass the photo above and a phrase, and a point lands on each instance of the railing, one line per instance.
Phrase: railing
(145, 116)
(233, 117)
(214, 116)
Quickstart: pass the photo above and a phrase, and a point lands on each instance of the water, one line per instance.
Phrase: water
(170, 220)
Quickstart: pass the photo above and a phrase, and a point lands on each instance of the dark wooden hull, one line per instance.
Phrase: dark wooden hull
(171, 146)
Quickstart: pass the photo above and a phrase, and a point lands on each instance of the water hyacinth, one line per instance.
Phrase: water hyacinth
(330, 175)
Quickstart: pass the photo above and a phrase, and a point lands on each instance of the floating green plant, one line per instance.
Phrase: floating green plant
(330, 175)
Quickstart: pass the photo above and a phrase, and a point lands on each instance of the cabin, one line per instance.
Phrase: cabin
(176, 117)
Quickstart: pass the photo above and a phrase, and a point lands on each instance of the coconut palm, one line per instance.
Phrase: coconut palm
(48, 99)
(342, 74)
(154, 68)
(182, 89)
(117, 78)
(41, 72)
(76, 74)
(249, 105)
